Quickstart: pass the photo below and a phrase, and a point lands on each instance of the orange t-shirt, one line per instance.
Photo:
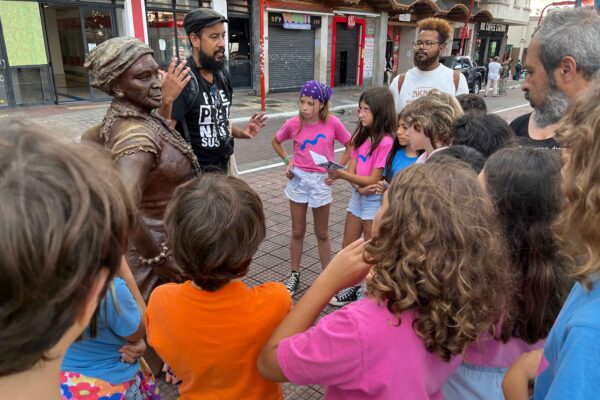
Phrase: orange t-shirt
(211, 340)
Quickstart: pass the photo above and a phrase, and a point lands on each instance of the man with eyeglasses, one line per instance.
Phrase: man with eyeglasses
(201, 111)
(428, 73)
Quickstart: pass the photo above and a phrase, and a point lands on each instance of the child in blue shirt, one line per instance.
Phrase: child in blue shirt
(99, 362)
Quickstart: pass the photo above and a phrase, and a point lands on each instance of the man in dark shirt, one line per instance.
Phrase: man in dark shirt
(201, 111)
(557, 71)
(528, 134)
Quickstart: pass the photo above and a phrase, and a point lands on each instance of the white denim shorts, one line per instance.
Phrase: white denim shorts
(472, 382)
(309, 187)
(364, 206)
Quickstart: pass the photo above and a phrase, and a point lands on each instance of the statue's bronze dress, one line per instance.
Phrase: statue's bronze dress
(125, 131)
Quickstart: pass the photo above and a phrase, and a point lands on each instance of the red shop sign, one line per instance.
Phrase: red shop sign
(351, 23)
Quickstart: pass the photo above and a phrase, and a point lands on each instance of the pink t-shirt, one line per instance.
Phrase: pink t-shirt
(359, 352)
(365, 163)
(487, 352)
(317, 137)
(423, 157)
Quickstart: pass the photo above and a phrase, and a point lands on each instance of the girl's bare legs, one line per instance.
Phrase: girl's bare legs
(367, 225)
(353, 228)
(298, 211)
(321, 222)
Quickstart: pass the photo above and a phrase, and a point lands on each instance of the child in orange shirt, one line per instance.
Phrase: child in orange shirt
(211, 329)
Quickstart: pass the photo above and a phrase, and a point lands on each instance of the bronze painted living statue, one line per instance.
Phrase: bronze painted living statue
(151, 156)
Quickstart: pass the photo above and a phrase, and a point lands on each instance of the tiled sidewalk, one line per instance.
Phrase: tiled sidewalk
(271, 262)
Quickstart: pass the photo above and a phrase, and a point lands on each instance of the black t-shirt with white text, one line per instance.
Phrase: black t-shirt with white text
(208, 119)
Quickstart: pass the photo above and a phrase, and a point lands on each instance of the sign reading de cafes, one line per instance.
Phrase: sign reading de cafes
(489, 27)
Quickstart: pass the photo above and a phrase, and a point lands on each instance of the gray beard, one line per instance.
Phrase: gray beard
(554, 107)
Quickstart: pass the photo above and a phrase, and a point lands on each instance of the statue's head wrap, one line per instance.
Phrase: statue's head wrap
(109, 60)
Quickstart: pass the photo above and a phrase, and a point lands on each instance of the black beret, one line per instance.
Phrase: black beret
(201, 18)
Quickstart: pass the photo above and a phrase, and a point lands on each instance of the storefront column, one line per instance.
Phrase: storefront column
(135, 19)
(379, 61)
(321, 50)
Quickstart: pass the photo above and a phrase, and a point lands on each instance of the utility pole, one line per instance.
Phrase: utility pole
(465, 30)
(261, 28)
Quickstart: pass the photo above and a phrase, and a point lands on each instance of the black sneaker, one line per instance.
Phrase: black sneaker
(345, 296)
(292, 282)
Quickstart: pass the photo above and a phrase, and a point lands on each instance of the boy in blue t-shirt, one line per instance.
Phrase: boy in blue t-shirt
(97, 359)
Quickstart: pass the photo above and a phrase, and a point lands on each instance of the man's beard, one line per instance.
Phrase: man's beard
(208, 62)
(554, 107)
(427, 62)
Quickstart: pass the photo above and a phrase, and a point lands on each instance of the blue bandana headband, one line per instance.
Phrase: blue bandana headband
(317, 91)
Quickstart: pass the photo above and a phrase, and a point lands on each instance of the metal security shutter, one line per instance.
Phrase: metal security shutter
(291, 57)
(346, 55)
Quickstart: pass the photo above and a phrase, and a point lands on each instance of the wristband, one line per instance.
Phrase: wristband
(286, 159)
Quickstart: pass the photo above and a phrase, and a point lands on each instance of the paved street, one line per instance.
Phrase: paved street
(258, 164)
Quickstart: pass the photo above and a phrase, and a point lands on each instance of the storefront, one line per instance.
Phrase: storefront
(291, 49)
(48, 66)
(490, 41)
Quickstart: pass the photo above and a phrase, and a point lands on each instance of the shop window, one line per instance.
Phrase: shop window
(161, 36)
(184, 45)
(31, 85)
(178, 4)
(167, 36)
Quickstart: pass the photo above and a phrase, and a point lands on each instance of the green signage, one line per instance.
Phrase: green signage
(23, 35)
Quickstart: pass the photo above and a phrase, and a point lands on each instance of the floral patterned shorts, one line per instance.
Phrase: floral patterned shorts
(76, 386)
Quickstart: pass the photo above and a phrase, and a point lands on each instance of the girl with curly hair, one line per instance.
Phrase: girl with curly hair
(524, 184)
(430, 119)
(569, 366)
(438, 279)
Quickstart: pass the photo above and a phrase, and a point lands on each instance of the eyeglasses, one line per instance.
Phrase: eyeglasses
(425, 44)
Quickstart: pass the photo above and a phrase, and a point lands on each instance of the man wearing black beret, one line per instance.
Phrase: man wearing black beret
(201, 111)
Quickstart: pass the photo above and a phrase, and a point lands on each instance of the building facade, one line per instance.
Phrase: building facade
(339, 42)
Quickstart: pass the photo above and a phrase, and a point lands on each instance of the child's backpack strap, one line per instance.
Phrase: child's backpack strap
(456, 80)
(401, 81)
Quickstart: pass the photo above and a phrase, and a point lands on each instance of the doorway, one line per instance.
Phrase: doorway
(347, 55)
(72, 32)
(240, 66)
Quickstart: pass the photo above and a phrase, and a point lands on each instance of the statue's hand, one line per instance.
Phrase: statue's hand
(174, 80)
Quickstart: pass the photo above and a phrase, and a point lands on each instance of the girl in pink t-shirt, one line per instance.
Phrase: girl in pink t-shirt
(430, 119)
(438, 279)
(371, 142)
(524, 184)
(313, 131)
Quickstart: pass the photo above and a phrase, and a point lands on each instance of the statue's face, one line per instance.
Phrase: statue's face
(140, 84)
